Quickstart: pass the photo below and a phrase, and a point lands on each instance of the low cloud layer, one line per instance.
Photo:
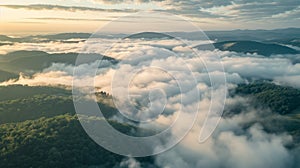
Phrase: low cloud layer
(238, 142)
(232, 145)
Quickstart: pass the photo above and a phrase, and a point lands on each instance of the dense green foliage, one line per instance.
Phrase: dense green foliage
(53, 142)
(20, 103)
(35, 107)
(13, 92)
(283, 101)
(38, 129)
(280, 99)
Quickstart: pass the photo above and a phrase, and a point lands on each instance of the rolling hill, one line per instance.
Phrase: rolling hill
(7, 75)
(27, 61)
(239, 35)
(20, 103)
(260, 48)
(280, 99)
(149, 35)
(59, 142)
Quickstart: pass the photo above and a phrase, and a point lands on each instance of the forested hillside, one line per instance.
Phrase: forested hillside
(281, 99)
(54, 142)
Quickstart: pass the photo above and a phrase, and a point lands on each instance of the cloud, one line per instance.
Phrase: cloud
(142, 52)
(70, 19)
(223, 11)
(238, 9)
(63, 8)
(237, 13)
(288, 14)
(78, 46)
(49, 47)
(53, 78)
(293, 80)
(130, 163)
(123, 1)
(281, 68)
(232, 145)
(277, 69)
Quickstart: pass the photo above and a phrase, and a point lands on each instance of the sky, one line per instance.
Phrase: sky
(53, 16)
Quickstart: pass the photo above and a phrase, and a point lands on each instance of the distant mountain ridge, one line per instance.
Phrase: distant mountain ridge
(252, 35)
(228, 35)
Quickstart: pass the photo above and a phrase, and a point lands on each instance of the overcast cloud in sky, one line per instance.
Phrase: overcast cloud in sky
(19, 16)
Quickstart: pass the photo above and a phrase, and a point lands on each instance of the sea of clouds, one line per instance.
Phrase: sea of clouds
(153, 68)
